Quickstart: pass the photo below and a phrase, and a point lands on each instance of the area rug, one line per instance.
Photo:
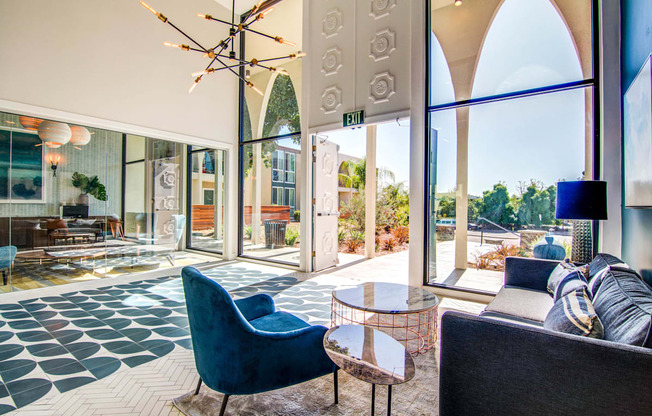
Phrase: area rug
(417, 397)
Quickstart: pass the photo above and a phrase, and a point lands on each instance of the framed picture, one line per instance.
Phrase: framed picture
(638, 139)
(22, 167)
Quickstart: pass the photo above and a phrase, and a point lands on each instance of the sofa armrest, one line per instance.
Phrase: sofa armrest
(528, 272)
(493, 367)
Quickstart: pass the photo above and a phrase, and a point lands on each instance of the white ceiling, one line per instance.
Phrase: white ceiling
(241, 6)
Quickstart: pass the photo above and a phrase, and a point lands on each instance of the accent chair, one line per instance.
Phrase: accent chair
(245, 346)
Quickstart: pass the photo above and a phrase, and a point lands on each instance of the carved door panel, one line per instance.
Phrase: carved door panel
(326, 206)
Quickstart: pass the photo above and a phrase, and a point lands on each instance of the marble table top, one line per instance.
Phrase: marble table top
(386, 298)
(369, 354)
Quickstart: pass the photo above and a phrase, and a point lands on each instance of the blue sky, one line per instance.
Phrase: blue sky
(538, 137)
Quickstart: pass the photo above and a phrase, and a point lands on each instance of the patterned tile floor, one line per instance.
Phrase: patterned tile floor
(32, 275)
(57, 343)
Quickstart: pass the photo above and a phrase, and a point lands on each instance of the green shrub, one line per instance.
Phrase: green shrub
(296, 215)
(341, 235)
(247, 232)
(291, 236)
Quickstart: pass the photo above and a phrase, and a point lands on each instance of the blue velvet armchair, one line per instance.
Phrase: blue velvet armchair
(7, 256)
(245, 346)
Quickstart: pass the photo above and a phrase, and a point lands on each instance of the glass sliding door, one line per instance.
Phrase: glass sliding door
(206, 192)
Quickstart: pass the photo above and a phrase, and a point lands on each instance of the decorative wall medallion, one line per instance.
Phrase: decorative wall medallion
(383, 44)
(169, 203)
(169, 179)
(331, 98)
(327, 243)
(332, 23)
(168, 227)
(382, 87)
(331, 61)
(381, 8)
(327, 165)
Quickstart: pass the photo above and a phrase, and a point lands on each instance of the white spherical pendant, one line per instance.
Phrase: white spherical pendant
(30, 123)
(54, 133)
(80, 136)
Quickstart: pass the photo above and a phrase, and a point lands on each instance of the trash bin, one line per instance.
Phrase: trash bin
(275, 233)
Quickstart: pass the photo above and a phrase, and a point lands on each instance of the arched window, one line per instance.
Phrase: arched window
(282, 113)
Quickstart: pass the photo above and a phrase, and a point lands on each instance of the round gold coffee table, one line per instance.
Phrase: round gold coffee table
(407, 313)
(370, 355)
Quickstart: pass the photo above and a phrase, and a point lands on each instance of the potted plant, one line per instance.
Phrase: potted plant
(87, 186)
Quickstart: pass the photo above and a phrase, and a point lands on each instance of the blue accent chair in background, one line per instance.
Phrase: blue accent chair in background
(245, 346)
(7, 256)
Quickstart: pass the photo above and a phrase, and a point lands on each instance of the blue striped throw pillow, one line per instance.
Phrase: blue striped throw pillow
(564, 279)
(574, 314)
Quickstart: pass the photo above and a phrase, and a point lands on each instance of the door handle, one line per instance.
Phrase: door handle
(328, 214)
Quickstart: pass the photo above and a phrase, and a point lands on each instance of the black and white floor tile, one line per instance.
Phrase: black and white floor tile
(52, 344)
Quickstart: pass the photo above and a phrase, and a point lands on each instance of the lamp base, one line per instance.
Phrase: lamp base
(582, 245)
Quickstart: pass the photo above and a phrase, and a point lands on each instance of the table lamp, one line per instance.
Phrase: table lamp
(582, 201)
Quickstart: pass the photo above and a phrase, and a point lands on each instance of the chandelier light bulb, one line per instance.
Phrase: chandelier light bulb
(174, 45)
(194, 84)
(458, 2)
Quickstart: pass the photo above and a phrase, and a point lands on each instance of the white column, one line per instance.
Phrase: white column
(370, 191)
(461, 194)
(417, 144)
(231, 183)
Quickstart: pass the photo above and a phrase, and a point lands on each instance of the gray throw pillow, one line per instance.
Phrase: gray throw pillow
(565, 278)
(624, 303)
(574, 314)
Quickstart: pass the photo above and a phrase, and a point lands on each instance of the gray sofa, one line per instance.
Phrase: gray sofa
(504, 362)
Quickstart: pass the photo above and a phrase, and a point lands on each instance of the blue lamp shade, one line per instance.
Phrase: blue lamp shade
(582, 200)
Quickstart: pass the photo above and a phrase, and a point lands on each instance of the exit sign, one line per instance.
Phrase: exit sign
(353, 118)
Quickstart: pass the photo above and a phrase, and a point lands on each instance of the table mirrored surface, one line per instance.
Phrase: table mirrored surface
(369, 354)
(386, 298)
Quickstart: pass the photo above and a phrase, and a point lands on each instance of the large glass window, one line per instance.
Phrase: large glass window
(270, 139)
(511, 114)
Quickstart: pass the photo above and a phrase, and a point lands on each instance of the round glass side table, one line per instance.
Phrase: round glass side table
(408, 314)
(370, 355)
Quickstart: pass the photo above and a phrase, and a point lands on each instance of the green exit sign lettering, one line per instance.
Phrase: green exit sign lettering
(353, 118)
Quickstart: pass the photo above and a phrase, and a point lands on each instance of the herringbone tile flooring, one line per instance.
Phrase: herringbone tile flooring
(145, 390)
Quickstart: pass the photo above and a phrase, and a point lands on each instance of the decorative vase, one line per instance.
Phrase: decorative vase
(82, 199)
(549, 249)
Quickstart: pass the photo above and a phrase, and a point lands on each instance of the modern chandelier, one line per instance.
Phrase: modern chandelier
(217, 54)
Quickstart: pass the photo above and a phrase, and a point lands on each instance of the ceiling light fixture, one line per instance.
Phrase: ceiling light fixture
(458, 2)
(218, 54)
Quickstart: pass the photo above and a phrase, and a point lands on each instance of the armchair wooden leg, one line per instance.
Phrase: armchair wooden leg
(223, 408)
(198, 386)
(335, 389)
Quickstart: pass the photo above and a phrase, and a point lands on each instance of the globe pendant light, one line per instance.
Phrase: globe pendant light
(80, 136)
(54, 134)
(30, 123)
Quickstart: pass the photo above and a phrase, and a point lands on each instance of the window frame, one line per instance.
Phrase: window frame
(593, 83)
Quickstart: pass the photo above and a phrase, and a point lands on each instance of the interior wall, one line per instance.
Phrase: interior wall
(636, 46)
(106, 60)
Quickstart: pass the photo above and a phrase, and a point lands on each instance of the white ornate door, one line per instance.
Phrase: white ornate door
(326, 206)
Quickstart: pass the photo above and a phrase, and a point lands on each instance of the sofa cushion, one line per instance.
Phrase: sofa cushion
(512, 319)
(574, 314)
(529, 304)
(602, 261)
(624, 304)
(565, 278)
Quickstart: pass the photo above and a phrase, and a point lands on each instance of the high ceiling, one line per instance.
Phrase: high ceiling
(241, 6)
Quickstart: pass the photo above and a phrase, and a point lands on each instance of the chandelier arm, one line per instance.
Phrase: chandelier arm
(259, 33)
(230, 69)
(273, 59)
(189, 38)
(225, 44)
(223, 21)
